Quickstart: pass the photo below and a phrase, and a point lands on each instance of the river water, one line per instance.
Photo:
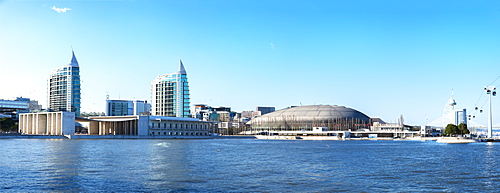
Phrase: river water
(247, 165)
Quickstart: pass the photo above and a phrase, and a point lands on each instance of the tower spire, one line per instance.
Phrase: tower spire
(74, 62)
(182, 70)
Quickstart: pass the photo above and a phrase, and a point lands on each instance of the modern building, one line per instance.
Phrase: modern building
(63, 123)
(460, 116)
(265, 110)
(47, 123)
(64, 91)
(170, 94)
(127, 107)
(10, 108)
(305, 118)
(319, 121)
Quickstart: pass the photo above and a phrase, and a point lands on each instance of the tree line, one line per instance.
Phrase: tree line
(7, 124)
(454, 129)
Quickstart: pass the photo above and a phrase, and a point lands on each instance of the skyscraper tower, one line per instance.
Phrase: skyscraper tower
(64, 92)
(170, 94)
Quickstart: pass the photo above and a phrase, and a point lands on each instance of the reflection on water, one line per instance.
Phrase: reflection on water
(247, 165)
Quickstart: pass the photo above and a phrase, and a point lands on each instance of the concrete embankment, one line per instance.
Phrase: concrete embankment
(236, 137)
(135, 137)
(19, 136)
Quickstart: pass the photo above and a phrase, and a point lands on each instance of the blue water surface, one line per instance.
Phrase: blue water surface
(247, 165)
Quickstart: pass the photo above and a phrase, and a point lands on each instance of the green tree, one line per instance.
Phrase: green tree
(7, 124)
(451, 129)
(462, 127)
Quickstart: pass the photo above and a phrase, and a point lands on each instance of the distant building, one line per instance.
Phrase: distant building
(227, 109)
(127, 107)
(64, 92)
(8, 108)
(265, 110)
(170, 94)
(460, 116)
(216, 114)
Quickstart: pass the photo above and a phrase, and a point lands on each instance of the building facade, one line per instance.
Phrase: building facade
(127, 107)
(64, 92)
(10, 108)
(47, 123)
(460, 116)
(63, 123)
(170, 94)
(265, 110)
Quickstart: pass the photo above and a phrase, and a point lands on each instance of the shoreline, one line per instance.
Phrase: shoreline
(260, 137)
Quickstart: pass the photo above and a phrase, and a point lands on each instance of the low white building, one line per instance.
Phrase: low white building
(63, 123)
(47, 123)
(178, 126)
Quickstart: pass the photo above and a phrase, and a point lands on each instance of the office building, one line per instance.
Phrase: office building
(10, 108)
(64, 92)
(265, 110)
(127, 107)
(460, 116)
(170, 94)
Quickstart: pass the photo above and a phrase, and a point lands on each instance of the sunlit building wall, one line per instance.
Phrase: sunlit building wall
(126, 107)
(170, 94)
(460, 116)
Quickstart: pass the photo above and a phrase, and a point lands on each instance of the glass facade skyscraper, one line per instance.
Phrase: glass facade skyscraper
(64, 92)
(170, 94)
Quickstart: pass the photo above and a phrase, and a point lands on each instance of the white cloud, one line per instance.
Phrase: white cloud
(272, 46)
(61, 10)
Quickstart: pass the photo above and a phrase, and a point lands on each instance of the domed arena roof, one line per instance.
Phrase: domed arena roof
(304, 118)
(318, 112)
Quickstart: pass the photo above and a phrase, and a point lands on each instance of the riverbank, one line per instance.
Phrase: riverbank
(21, 136)
(262, 137)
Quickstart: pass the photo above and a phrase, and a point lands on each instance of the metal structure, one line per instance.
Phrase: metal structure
(449, 112)
(490, 91)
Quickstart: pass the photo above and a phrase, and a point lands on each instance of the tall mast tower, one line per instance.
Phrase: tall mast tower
(449, 111)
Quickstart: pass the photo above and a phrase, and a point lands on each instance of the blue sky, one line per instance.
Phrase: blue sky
(384, 58)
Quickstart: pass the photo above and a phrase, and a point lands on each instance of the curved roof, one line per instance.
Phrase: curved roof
(317, 112)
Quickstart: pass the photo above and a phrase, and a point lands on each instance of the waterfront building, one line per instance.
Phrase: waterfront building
(324, 121)
(63, 123)
(304, 118)
(178, 126)
(170, 94)
(47, 123)
(127, 107)
(64, 92)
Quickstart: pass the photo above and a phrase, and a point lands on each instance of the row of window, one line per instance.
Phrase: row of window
(180, 133)
(182, 126)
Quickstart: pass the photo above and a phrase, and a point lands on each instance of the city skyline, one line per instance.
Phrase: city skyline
(383, 58)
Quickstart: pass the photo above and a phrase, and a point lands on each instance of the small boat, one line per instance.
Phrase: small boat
(455, 140)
